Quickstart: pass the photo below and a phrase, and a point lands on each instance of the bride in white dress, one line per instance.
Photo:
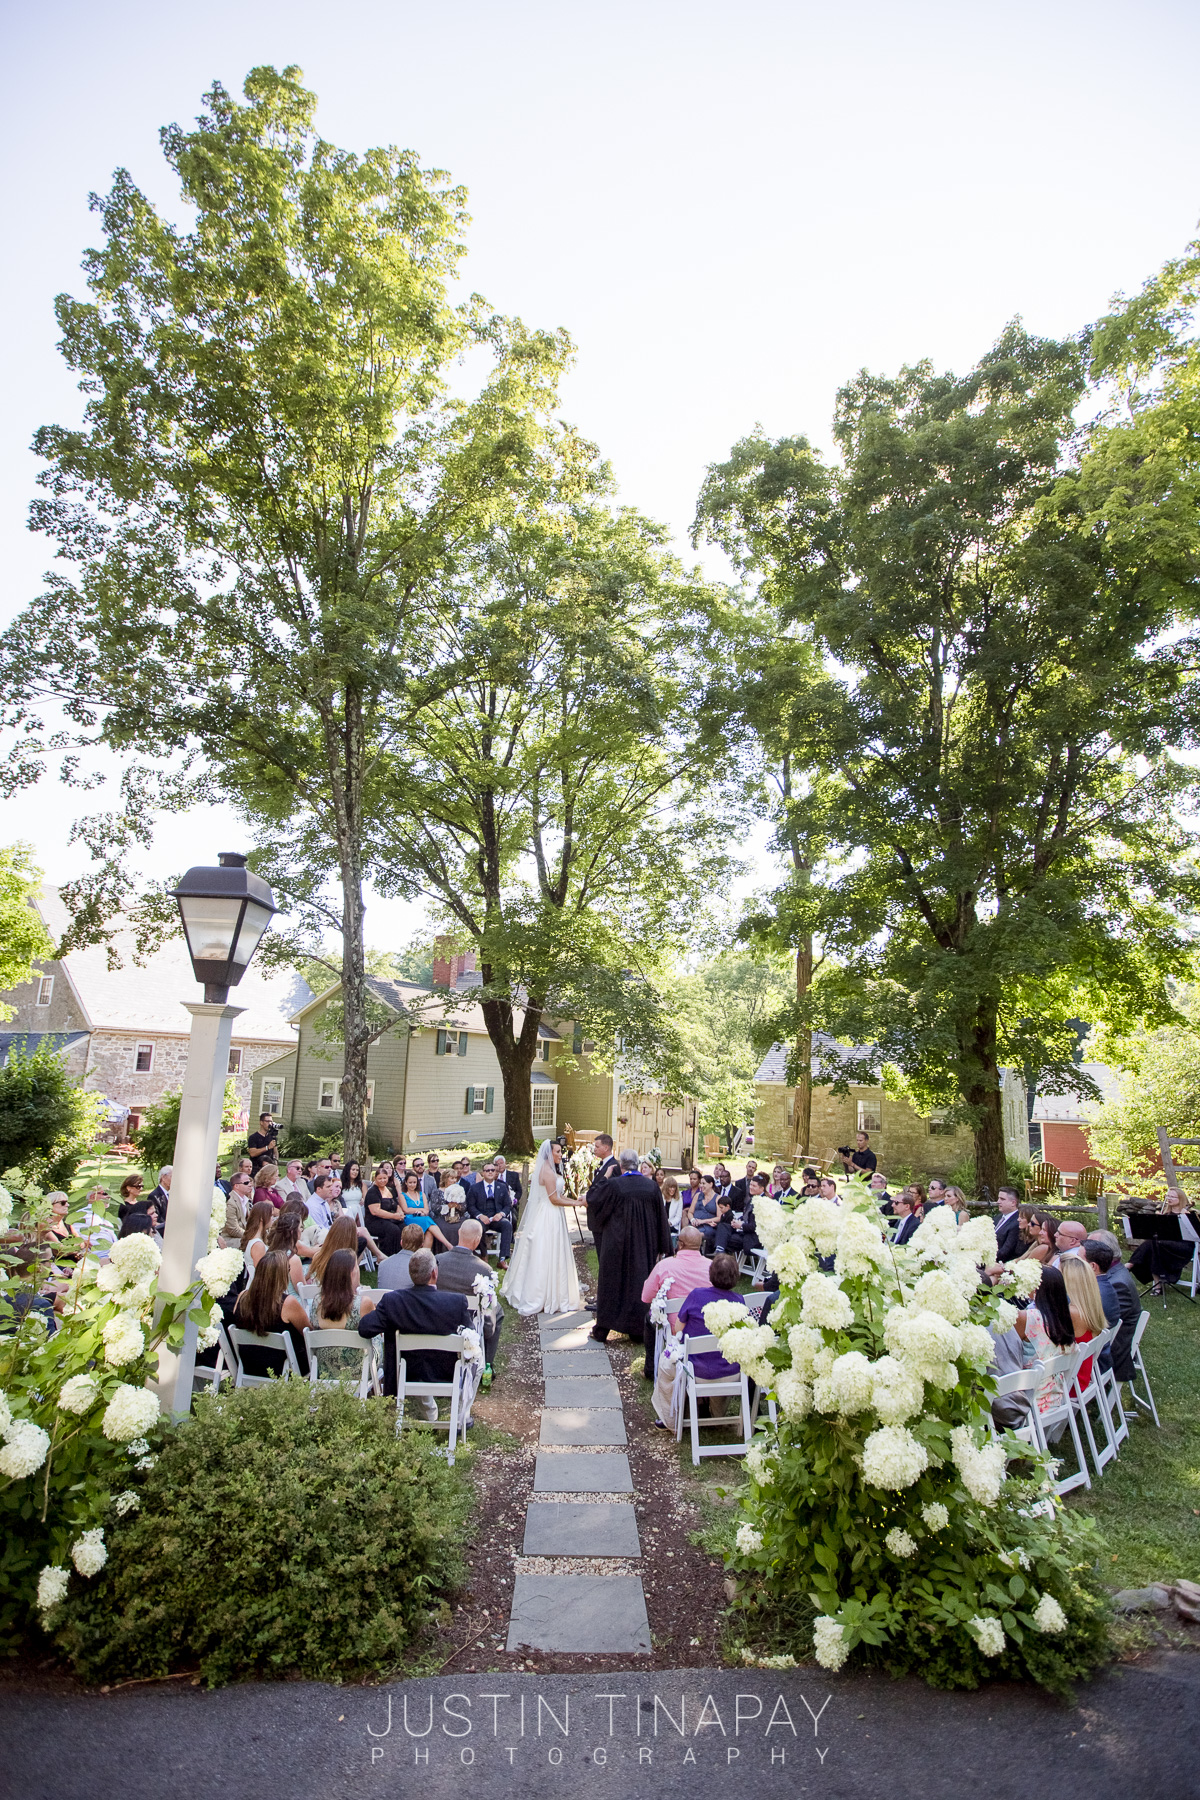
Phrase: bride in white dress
(541, 1274)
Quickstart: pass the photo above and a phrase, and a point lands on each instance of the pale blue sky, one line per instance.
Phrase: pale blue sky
(730, 208)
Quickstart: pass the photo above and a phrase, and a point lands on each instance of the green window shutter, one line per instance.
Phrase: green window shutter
(577, 1041)
(441, 1042)
(462, 1043)
(470, 1099)
(489, 1100)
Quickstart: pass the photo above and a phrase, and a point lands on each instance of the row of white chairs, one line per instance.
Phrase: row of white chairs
(459, 1391)
(698, 1387)
(1103, 1391)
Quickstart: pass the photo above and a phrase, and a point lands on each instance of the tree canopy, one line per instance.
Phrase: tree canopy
(996, 715)
(23, 938)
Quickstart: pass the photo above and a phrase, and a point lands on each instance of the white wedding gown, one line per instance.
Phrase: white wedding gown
(541, 1277)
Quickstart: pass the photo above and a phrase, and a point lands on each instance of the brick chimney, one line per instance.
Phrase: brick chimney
(448, 968)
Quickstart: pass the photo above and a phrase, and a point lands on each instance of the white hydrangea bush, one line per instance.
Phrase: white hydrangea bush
(72, 1399)
(879, 1498)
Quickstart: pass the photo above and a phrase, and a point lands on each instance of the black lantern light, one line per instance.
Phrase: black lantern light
(225, 912)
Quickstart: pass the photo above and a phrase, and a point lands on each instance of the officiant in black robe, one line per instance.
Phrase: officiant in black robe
(633, 1235)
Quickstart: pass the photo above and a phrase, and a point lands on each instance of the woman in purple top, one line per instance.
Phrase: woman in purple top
(710, 1365)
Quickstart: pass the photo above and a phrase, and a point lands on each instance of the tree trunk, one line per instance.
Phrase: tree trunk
(357, 1030)
(981, 1090)
(802, 1113)
(515, 1055)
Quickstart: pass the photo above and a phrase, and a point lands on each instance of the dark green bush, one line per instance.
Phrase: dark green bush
(282, 1529)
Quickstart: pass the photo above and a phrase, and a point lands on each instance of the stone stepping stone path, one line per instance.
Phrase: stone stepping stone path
(585, 1610)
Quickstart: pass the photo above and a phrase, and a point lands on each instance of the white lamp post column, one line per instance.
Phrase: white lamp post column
(224, 912)
(189, 1210)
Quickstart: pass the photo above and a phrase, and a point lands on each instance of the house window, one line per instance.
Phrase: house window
(940, 1125)
(544, 1099)
(451, 1043)
(870, 1115)
(480, 1099)
(1035, 1140)
(143, 1060)
(542, 1053)
(235, 1062)
(45, 990)
(329, 1095)
(272, 1096)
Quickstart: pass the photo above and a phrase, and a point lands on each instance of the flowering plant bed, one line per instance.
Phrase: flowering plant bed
(881, 1516)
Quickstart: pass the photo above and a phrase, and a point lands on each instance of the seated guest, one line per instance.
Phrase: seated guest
(340, 1305)
(1008, 1225)
(704, 1206)
(431, 1179)
(259, 1221)
(384, 1217)
(159, 1197)
(687, 1269)
(458, 1270)
(283, 1237)
(904, 1208)
(1069, 1237)
(691, 1192)
(418, 1310)
(708, 1365)
(1129, 1301)
(490, 1202)
(239, 1200)
(1100, 1258)
(723, 1178)
(137, 1219)
(265, 1185)
(739, 1193)
(352, 1189)
(1047, 1330)
(393, 1270)
(1161, 1261)
(130, 1194)
(266, 1306)
(1087, 1313)
(1042, 1228)
(937, 1193)
(242, 1167)
(504, 1173)
(319, 1200)
(956, 1200)
(750, 1237)
(879, 1191)
(294, 1182)
(723, 1235)
(673, 1201)
(828, 1189)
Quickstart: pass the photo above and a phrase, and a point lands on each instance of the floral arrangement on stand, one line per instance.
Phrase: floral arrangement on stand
(76, 1417)
(882, 1520)
(578, 1170)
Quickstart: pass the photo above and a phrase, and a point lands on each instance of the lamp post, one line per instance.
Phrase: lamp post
(224, 912)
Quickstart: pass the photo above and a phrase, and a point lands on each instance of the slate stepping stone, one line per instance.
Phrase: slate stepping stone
(581, 1472)
(590, 1613)
(562, 1390)
(577, 1362)
(576, 1337)
(577, 1425)
(572, 1528)
(566, 1321)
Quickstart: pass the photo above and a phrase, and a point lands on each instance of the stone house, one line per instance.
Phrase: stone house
(900, 1137)
(433, 1078)
(124, 1032)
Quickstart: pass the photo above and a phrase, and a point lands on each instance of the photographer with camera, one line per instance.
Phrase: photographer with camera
(861, 1159)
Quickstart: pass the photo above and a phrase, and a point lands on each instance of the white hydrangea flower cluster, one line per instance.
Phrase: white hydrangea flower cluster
(935, 1515)
(132, 1262)
(789, 1260)
(6, 1207)
(805, 1343)
(897, 1392)
(88, 1552)
(26, 1447)
(5, 1413)
(829, 1643)
(795, 1397)
(978, 1237)
(926, 1342)
(937, 1291)
(982, 1466)
(978, 1345)
(860, 1245)
(721, 1315)
(1048, 1615)
(901, 1542)
(893, 1458)
(126, 1502)
(1006, 1315)
(747, 1346)
(216, 1220)
(1024, 1277)
(824, 1303)
(988, 1633)
(772, 1221)
(130, 1413)
(207, 1338)
(749, 1541)
(123, 1339)
(819, 1223)
(219, 1270)
(848, 1388)
(52, 1586)
(760, 1464)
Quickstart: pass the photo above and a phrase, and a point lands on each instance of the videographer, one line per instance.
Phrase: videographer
(861, 1159)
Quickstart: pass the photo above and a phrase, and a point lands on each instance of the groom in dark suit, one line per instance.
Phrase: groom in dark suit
(608, 1168)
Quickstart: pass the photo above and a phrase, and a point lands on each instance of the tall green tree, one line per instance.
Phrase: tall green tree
(726, 1012)
(23, 937)
(554, 805)
(264, 501)
(1000, 705)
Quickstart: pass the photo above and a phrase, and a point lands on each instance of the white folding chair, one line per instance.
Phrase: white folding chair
(211, 1375)
(1066, 1368)
(270, 1340)
(491, 1243)
(1020, 1381)
(325, 1338)
(1135, 1351)
(697, 1388)
(756, 1260)
(457, 1390)
(665, 1332)
(1095, 1392)
(308, 1290)
(1112, 1392)
(756, 1302)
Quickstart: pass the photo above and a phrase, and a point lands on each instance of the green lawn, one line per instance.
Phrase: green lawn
(1147, 1503)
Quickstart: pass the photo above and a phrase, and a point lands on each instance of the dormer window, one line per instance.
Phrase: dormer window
(45, 990)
